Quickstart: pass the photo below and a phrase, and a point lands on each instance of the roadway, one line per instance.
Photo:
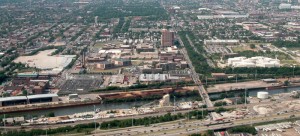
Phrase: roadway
(186, 127)
(195, 77)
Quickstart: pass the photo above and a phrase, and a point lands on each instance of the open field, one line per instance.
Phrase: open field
(280, 107)
(242, 48)
(236, 86)
(43, 60)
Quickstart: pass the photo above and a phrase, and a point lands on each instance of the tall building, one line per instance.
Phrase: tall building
(96, 21)
(167, 38)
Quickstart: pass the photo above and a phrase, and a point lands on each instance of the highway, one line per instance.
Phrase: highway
(185, 127)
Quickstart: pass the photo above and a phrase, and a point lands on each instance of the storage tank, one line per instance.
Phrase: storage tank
(262, 95)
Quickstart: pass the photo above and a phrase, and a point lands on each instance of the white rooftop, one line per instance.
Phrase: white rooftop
(14, 98)
(41, 96)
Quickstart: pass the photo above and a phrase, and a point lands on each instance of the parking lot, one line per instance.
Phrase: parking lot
(279, 129)
(81, 84)
(217, 49)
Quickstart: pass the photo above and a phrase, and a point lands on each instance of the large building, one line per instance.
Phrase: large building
(284, 6)
(167, 38)
(30, 99)
(253, 62)
(157, 78)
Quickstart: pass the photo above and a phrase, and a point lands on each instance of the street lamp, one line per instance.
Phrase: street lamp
(293, 69)
(174, 105)
(95, 118)
(245, 97)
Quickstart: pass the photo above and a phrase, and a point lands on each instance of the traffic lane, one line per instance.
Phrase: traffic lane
(193, 125)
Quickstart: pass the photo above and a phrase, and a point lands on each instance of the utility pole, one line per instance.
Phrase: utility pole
(132, 113)
(4, 124)
(132, 119)
(235, 102)
(245, 97)
(188, 116)
(293, 70)
(95, 118)
(174, 105)
(251, 119)
(202, 111)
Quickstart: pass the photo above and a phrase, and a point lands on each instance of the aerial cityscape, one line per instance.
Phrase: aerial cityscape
(150, 67)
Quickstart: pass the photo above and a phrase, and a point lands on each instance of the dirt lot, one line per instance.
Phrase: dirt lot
(240, 85)
(43, 60)
(288, 132)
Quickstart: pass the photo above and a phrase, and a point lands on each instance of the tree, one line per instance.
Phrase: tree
(24, 92)
(2, 77)
(243, 129)
(210, 132)
(252, 46)
(51, 114)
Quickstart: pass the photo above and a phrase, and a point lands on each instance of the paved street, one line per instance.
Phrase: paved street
(185, 127)
(195, 77)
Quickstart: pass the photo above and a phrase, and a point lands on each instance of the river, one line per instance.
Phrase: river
(127, 105)
(88, 108)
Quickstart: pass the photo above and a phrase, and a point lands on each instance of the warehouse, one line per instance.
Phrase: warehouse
(157, 78)
(20, 100)
(42, 98)
(253, 62)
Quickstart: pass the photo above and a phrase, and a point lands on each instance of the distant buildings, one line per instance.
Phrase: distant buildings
(285, 6)
(167, 38)
(253, 62)
(221, 42)
(202, 17)
(288, 6)
(157, 78)
(104, 65)
(145, 47)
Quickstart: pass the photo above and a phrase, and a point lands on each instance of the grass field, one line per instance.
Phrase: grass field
(246, 47)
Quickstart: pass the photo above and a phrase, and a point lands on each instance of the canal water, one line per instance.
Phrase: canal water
(89, 108)
(128, 105)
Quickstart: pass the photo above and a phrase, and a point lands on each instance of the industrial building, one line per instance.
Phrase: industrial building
(145, 47)
(19, 100)
(285, 6)
(201, 17)
(104, 65)
(258, 61)
(156, 77)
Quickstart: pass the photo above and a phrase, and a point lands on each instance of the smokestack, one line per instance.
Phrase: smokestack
(83, 59)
